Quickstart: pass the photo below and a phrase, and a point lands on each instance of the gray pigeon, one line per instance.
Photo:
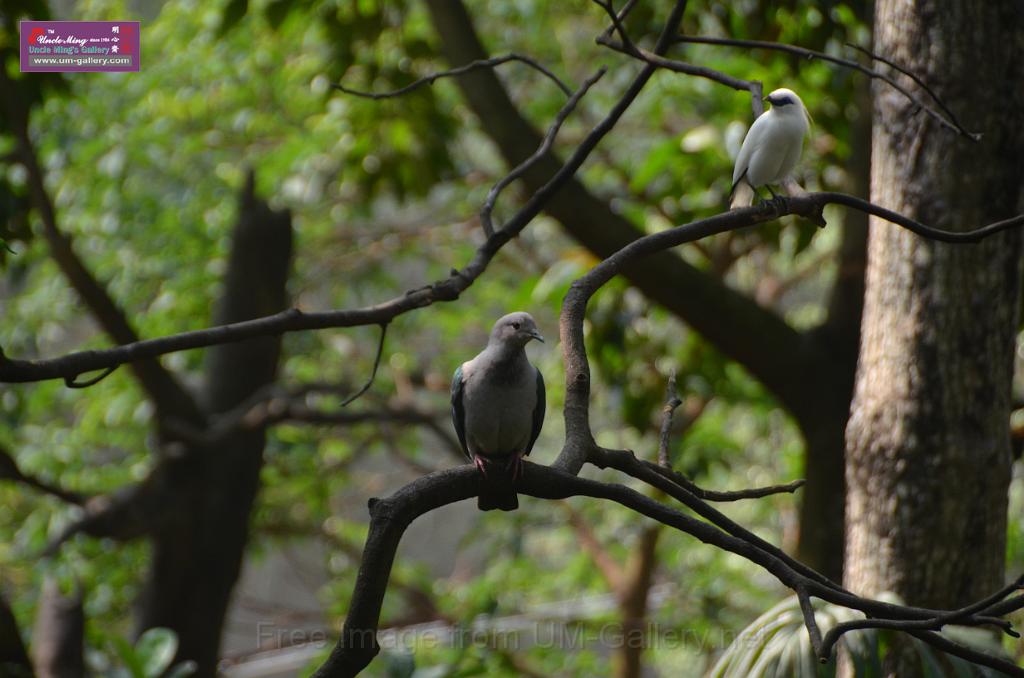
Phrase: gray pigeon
(498, 408)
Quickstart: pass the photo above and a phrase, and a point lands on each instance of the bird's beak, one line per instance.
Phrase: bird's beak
(536, 335)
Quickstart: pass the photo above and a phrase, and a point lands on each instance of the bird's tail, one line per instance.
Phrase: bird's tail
(498, 484)
(742, 196)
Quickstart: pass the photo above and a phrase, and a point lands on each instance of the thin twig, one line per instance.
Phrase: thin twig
(974, 656)
(72, 381)
(373, 372)
(460, 70)
(724, 496)
(813, 631)
(680, 66)
(545, 146)
(9, 471)
(950, 123)
(620, 17)
(934, 624)
(920, 83)
(672, 401)
(617, 24)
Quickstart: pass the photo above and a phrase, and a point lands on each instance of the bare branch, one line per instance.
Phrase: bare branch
(72, 381)
(460, 70)
(620, 17)
(545, 146)
(681, 66)
(9, 471)
(574, 305)
(813, 631)
(714, 495)
(617, 25)
(373, 372)
(964, 652)
(920, 83)
(949, 122)
(809, 205)
(934, 624)
(672, 401)
(390, 517)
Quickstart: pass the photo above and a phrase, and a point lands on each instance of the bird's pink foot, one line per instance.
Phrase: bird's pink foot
(515, 467)
(480, 464)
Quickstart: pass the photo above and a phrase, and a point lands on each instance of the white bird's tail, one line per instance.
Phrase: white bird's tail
(742, 196)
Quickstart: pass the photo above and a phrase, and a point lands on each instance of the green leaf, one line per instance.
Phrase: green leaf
(155, 650)
(129, 657)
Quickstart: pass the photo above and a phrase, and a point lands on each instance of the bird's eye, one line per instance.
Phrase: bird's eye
(515, 326)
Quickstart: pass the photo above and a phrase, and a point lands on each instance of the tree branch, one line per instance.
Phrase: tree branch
(574, 305)
(672, 401)
(491, 62)
(373, 372)
(780, 358)
(542, 150)
(809, 205)
(9, 471)
(949, 122)
(14, 661)
(357, 644)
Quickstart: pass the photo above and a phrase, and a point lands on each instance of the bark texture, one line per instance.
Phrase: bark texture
(197, 554)
(928, 437)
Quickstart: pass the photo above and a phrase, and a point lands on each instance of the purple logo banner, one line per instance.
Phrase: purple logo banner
(79, 46)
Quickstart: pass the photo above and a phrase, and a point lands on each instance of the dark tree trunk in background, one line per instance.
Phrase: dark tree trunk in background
(14, 661)
(928, 439)
(198, 556)
(822, 501)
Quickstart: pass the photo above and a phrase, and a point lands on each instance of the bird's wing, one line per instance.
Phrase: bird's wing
(789, 162)
(458, 411)
(750, 143)
(538, 412)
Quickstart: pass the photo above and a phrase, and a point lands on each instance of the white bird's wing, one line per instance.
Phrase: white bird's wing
(793, 152)
(752, 141)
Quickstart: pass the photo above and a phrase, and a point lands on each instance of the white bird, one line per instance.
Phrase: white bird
(771, 148)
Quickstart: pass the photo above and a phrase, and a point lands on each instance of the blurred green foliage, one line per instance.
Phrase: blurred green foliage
(145, 168)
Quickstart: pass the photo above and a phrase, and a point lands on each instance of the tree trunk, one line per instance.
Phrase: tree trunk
(928, 438)
(14, 661)
(58, 638)
(197, 557)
